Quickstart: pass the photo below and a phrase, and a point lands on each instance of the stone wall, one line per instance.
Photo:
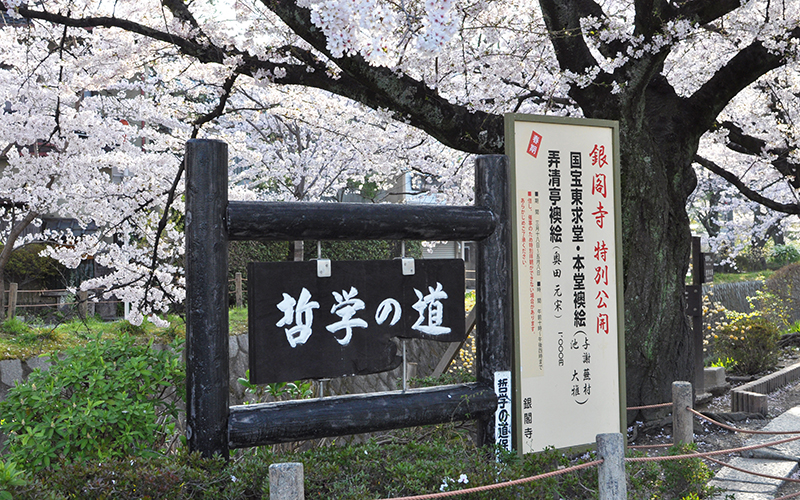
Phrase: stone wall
(733, 295)
(422, 356)
(15, 370)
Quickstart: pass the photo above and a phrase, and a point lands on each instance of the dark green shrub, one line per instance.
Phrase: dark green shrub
(750, 259)
(111, 398)
(242, 252)
(751, 341)
(15, 327)
(361, 250)
(784, 288)
(687, 477)
(27, 266)
(125, 327)
(783, 255)
(174, 477)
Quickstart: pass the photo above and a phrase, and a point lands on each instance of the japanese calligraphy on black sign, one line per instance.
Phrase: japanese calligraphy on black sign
(302, 326)
(570, 350)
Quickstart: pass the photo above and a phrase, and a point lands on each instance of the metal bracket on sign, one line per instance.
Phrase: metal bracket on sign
(408, 266)
(323, 268)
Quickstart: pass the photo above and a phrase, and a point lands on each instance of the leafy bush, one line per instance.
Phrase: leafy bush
(27, 266)
(782, 294)
(14, 327)
(278, 391)
(408, 462)
(176, 477)
(783, 255)
(10, 478)
(751, 340)
(727, 363)
(685, 478)
(361, 250)
(111, 398)
(750, 259)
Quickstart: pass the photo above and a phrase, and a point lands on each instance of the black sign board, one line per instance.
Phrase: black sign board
(303, 326)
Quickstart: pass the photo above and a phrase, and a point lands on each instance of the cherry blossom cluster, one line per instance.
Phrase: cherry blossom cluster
(95, 120)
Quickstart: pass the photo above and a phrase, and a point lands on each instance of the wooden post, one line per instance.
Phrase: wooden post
(239, 300)
(697, 320)
(12, 300)
(612, 483)
(207, 368)
(83, 303)
(494, 300)
(682, 419)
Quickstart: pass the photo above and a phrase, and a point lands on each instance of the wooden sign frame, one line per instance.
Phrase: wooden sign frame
(212, 426)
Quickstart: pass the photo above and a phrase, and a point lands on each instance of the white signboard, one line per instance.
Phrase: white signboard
(502, 416)
(569, 359)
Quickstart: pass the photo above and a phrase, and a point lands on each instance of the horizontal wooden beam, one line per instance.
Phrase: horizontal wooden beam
(271, 423)
(251, 220)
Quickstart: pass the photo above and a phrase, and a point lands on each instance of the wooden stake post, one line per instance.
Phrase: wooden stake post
(212, 426)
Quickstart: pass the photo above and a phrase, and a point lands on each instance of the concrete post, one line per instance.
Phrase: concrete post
(682, 419)
(611, 478)
(286, 481)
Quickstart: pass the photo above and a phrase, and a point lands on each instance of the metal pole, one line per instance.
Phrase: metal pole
(493, 338)
(207, 297)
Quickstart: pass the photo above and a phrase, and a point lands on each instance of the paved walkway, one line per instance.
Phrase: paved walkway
(779, 460)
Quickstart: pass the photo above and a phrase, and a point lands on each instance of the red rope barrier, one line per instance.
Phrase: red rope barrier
(648, 407)
(645, 446)
(711, 453)
(787, 497)
(490, 487)
(730, 428)
(752, 473)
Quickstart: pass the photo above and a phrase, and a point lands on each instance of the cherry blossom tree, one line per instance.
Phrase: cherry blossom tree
(94, 128)
(84, 139)
(673, 73)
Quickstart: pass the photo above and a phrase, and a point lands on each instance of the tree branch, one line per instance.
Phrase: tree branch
(746, 144)
(787, 208)
(563, 22)
(411, 100)
(747, 66)
(378, 87)
(704, 11)
(181, 11)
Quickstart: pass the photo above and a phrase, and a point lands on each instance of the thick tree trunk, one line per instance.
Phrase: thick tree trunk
(657, 144)
(656, 252)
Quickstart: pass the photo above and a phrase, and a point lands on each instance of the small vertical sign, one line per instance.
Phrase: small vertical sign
(503, 414)
(569, 346)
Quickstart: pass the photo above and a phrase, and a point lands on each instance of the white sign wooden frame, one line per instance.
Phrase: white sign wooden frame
(569, 371)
